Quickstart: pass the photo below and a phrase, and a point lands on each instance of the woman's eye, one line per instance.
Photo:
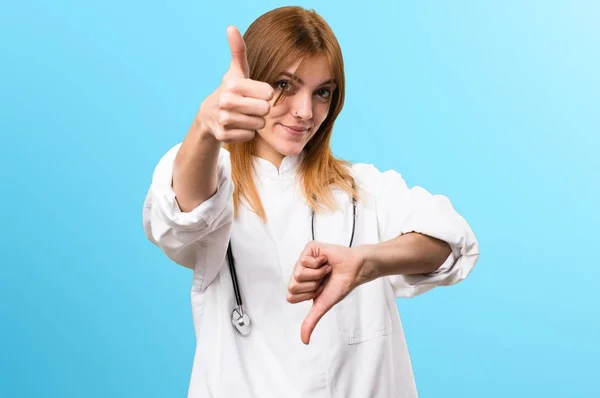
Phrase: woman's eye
(283, 85)
(324, 93)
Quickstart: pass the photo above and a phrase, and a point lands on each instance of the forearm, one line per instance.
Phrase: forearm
(407, 254)
(195, 168)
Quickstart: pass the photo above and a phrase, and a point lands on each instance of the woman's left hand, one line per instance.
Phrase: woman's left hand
(340, 270)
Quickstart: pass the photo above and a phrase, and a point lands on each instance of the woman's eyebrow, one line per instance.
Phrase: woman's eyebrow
(287, 74)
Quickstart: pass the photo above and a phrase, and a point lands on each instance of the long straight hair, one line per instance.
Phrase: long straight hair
(273, 42)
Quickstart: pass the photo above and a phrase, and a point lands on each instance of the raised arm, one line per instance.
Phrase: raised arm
(232, 113)
(188, 211)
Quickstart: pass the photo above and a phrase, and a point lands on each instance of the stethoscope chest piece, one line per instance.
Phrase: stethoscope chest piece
(241, 322)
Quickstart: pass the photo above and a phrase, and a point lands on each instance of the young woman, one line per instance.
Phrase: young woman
(297, 256)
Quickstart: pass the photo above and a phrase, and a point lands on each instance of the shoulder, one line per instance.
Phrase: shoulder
(371, 179)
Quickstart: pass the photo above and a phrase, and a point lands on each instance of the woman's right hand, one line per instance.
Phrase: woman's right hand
(237, 108)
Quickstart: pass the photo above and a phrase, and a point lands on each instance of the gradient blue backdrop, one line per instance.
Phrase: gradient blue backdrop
(495, 105)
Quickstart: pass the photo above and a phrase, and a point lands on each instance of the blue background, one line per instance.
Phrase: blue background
(495, 105)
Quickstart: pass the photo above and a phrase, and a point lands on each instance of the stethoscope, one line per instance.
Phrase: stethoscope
(240, 319)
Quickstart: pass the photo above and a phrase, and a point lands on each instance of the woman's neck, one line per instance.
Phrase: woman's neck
(266, 152)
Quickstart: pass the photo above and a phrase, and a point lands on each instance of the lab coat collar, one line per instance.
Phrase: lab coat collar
(287, 170)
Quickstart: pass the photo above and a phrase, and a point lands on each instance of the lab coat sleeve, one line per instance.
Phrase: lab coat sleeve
(402, 210)
(194, 239)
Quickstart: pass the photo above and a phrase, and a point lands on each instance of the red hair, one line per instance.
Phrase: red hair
(273, 42)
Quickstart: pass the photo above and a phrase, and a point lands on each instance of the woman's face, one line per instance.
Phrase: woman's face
(297, 116)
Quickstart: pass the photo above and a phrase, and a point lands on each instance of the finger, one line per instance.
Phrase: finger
(302, 274)
(309, 261)
(304, 287)
(298, 298)
(318, 309)
(234, 120)
(239, 62)
(231, 136)
(250, 88)
(310, 250)
(246, 105)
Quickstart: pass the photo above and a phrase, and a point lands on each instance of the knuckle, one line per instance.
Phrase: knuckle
(292, 298)
(224, 138)
(269, 91)
(311, 247)
(298, 274)
(225, 100)
(224, 118)
(261, 123)
(231, 84)
(266, 108)
(219, 133)
(305, 261)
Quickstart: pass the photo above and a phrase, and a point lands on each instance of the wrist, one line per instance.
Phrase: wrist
(387, 258)
(368, 268)
(201, 125)
(201, 141)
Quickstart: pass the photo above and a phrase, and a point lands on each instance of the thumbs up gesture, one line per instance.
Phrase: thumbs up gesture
(237, 108)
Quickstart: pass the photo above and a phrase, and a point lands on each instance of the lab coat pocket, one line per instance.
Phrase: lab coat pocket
(364, 314)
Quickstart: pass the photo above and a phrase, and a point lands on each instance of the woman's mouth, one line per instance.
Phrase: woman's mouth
(295, 130)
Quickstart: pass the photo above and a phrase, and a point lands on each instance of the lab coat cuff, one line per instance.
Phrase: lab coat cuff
(198, 218)
(447, 264)
(455, 268)
(465, 252)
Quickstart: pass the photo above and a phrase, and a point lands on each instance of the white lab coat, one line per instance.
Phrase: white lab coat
(358, 349)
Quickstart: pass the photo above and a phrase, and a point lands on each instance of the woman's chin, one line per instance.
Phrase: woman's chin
(290, 149)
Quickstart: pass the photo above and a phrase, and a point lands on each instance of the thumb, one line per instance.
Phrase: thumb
(239, 62)
(319, 308)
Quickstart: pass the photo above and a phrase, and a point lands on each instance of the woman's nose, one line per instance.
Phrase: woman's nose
(302, 106)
